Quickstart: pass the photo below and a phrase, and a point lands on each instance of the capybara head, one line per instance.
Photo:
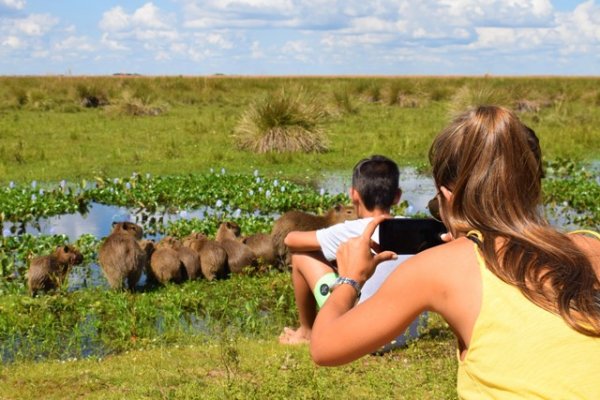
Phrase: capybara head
(128, 228)
(169, 241)
(233, 227)
(148, 247)
(228, 230)
(68, 255)
(341, 213)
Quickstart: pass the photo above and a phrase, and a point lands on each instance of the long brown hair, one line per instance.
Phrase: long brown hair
(492, 164)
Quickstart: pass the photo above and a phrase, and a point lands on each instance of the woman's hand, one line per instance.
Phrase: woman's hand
(355, 259)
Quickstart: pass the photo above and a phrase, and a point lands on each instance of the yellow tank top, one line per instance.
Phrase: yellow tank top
(521, 351)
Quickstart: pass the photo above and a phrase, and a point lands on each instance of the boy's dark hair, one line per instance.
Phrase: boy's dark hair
(376, 180)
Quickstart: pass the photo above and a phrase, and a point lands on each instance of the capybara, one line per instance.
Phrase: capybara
(165, 265)
(239, 255)
(128, 227)
(48, 272)
(261, 245)
(148, 246)
(302, 221)
(189, 258)
(121, 256)
(213, 257)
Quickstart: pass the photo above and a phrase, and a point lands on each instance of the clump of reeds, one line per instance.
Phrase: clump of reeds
(343, 102)
(136, 106)
(287, 121)
(477, 95)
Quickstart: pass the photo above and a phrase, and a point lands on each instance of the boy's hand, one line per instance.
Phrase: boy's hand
(355, 259)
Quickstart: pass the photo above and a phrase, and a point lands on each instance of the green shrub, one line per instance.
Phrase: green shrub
(287, 121)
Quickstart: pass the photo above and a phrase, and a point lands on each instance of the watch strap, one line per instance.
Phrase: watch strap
(342, 280)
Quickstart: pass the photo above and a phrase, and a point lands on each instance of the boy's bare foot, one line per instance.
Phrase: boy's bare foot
(291, 336)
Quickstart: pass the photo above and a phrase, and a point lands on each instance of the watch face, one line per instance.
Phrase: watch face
(324, 289)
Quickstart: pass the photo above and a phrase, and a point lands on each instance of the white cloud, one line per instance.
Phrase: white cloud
(295, 47)
(12, 42)
(13, 4)
(34, 24)
(111, 43)
(256, 51)
(74, 43)
(115, 19)
(149, 16)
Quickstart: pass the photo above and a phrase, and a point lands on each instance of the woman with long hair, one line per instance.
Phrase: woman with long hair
(522, 298)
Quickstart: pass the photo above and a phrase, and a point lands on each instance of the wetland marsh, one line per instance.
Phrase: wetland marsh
(162, 152)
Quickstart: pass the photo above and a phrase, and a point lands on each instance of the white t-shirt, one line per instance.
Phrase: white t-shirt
(330, 239)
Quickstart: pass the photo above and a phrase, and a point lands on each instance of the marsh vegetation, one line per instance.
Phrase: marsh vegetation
(172, 145)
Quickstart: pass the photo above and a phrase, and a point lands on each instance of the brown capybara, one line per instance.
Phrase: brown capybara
(239, 256)
(213, 257)
(189, 258)
(302, 221)
(261, 245)
(121, 256)
(165, 265)
(48, 272)
(148, 246)
(128, 227)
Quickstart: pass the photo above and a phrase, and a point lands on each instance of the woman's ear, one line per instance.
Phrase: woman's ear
(446, 193)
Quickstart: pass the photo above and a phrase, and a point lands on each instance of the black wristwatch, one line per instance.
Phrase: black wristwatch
(344, 280)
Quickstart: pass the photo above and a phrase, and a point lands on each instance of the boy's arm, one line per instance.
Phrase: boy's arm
(302, 241)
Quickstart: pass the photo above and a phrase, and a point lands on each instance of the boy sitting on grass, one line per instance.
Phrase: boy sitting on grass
(374, 191)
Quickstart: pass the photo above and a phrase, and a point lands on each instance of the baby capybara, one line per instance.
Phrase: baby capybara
(121, 256)
(239, 255)
(213, 257)
(302, 221)
(261, 245)
(48, 272)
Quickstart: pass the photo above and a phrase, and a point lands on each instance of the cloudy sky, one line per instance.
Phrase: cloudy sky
(300, 37)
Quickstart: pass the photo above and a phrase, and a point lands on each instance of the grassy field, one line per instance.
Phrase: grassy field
(185, 125)
(175, 126)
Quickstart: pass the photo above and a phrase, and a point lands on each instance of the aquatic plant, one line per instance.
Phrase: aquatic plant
(573, 192)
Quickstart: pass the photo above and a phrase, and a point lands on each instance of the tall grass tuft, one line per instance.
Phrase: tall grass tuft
(477, 95)
(288, 121)
(344, 103)
(131, 105)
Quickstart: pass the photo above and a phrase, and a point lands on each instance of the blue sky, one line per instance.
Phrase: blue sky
(300, 37)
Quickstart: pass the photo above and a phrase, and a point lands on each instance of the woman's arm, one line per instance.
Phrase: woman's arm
(343, 333)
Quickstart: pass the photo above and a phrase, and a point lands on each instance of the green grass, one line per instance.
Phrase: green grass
(46, 134)
(239, 368)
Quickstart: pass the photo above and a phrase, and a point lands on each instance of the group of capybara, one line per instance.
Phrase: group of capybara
(124, 255)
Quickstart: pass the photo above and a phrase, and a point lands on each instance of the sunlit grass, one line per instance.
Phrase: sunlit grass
(46, 134)
(234, 367)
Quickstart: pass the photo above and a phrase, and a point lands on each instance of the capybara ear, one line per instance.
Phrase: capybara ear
(66, 249)
(114, 223)
(338, 207)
